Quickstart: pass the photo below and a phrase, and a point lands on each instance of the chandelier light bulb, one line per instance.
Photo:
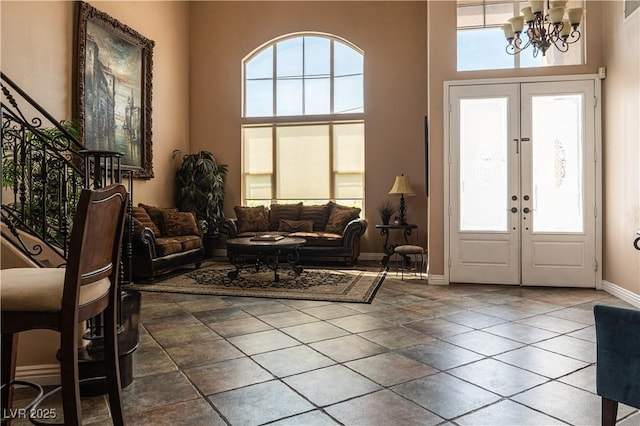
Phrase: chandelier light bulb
(558, 3)
(556, 14)
(528, 14)
(517, 23)
(508, 31)
(575, 15)
(537, 6)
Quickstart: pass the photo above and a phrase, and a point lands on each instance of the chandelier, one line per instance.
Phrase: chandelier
(546, 27)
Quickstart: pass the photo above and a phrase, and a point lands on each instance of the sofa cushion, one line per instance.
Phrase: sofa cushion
(278, 212)
(319, 239)
(167, 245)
(143, 218)
(339, 218)
(295, 226)
(179, 223)
(251, 219)
(155, 213)
(318, 214)
(189, 242)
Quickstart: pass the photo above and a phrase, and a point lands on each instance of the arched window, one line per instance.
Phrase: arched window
(303, 122)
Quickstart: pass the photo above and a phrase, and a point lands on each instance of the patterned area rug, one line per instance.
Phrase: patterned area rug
(356, 284)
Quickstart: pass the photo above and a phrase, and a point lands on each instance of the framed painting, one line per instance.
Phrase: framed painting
(112, 88)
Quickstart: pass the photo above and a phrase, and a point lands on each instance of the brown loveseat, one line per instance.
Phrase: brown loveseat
(332, 231)
(164, 239)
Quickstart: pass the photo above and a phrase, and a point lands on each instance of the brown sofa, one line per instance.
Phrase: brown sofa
(332, 231)
(164, 239)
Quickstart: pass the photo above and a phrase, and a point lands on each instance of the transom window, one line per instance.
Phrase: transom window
(481, 42)
(303, 122)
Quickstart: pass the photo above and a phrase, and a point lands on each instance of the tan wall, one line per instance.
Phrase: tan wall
(393, 38)
(621, 125)
(36, 52)
(442, 67)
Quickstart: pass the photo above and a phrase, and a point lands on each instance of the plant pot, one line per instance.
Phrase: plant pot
(210, 243)
(385, 220)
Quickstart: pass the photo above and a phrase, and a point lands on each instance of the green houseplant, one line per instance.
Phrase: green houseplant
(34, 161)
(200, 188)
(386, 210)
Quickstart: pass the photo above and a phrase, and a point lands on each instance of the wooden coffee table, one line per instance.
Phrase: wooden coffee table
(264, 253)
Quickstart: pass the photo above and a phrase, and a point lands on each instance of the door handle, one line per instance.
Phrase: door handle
(526, 210)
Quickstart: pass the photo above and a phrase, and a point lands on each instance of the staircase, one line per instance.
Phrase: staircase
(44, 169)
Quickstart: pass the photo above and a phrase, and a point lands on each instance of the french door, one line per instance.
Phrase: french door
(523, 184)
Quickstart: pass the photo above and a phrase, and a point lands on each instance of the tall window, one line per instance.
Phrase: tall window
(303, 122)
(481, 42)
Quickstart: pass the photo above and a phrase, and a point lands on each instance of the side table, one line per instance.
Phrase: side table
(389, 248)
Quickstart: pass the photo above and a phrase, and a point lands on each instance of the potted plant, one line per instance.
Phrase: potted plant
(200, 189)
(386, 210)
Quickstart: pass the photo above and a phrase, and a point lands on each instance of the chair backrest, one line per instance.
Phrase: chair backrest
(618, 354)
(96, 239)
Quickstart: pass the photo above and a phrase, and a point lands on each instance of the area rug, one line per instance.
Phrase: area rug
(357, 284)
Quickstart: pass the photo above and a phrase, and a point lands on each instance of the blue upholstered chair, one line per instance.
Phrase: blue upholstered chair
(618, 359)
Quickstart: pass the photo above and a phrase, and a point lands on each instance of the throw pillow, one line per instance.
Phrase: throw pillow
(279, 212)
(251, 219)
(155, 213)
(339, 218)
(295, 226)
(179, 223)
(144, 219)
(317, 214)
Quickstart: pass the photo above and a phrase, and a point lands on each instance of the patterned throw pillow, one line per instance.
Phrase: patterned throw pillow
(155, 213)
(251, 219)
(143, 217)
(179, 223)
(339, 217)
(295, 226)
(317, 214)
(279, 212)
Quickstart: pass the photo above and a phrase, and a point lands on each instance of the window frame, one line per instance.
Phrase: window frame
(275, 121)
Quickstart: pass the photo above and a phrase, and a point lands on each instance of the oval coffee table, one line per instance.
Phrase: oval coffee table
(266, 252)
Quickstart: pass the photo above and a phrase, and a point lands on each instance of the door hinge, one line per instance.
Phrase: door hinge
(449, 262)
(450, 210)
(595, 101)
(450, 107)
(595, 266)
(595, 211)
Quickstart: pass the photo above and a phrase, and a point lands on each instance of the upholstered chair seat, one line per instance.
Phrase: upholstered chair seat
(40, 289)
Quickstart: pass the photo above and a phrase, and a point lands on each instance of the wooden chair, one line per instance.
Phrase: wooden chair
(60, 298)
(618, 359)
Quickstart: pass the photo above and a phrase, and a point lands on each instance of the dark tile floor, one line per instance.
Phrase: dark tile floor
(418, 355)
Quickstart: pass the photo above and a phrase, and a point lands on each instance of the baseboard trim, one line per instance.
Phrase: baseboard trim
(621, 293)
(42, 374)
(437, 280)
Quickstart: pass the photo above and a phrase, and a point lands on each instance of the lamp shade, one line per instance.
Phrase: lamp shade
(401, 186)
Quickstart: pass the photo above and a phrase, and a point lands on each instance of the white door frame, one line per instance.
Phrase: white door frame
(598, 155)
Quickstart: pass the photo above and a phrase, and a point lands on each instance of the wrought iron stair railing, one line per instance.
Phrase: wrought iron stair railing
(44, 168)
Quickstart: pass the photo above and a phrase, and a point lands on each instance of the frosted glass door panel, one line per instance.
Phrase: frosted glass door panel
(557, 163)
(484, 139)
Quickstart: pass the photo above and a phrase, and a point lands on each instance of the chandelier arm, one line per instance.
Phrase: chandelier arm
(573, 36)
(563, 47)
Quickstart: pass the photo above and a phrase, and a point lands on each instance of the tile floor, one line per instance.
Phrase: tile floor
(417, 355)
